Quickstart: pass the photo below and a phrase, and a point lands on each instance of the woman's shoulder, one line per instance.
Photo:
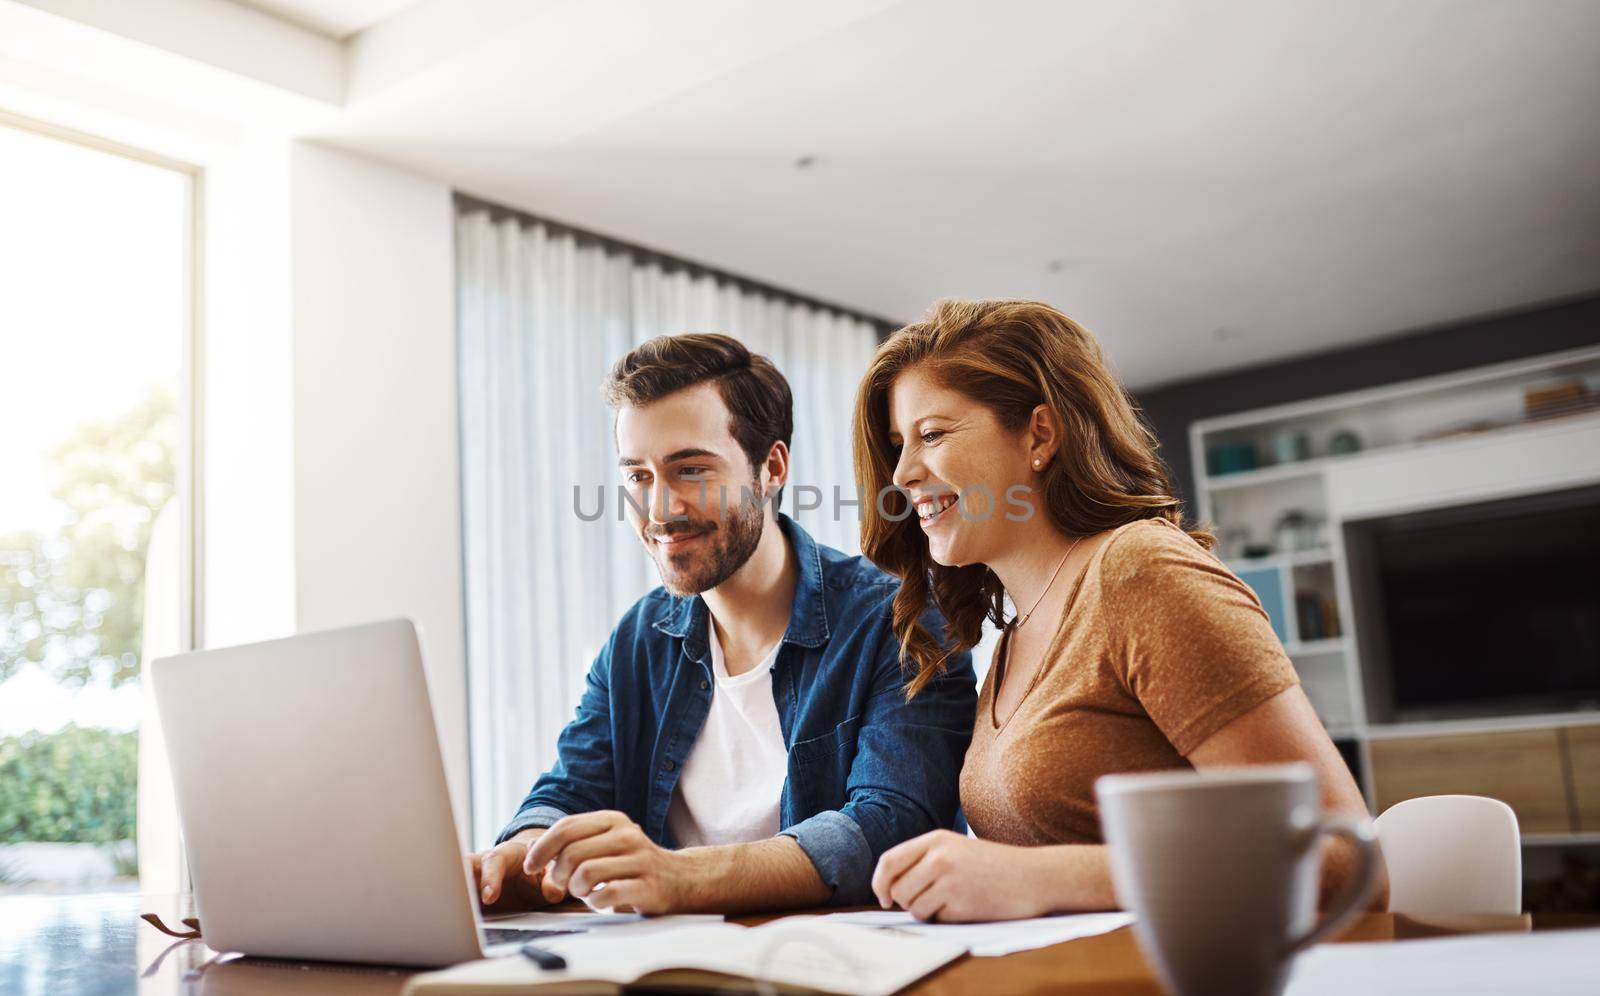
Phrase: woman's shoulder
(1150, 551)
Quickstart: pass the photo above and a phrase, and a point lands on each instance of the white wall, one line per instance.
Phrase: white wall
(247, 571)
(376, 490)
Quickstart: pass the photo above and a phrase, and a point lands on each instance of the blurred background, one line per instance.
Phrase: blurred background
(304, 305)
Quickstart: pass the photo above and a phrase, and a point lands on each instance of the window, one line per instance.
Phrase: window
(96, 285)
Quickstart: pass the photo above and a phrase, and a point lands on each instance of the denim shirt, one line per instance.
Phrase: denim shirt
(867, 769)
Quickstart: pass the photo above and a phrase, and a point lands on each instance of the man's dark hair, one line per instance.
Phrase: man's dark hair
(756, 394)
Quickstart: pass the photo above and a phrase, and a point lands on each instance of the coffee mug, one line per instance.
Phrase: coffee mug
(1221, 868)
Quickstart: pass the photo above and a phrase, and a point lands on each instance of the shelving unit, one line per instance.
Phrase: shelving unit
(1430, 443)
(1268, 475)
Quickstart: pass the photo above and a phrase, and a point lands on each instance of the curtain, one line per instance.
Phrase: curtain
(541, 317)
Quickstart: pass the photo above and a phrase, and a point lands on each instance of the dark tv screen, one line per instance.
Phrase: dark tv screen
(1494, 607)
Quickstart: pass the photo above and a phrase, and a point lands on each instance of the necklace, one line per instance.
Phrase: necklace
(1018, 622)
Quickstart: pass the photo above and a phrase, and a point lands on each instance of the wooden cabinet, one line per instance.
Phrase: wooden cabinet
(1583, 755)
(1526, 769)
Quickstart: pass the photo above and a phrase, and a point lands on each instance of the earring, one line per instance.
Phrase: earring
(1037, 463)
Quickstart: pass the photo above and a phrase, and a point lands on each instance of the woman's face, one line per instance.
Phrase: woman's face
(950, 445)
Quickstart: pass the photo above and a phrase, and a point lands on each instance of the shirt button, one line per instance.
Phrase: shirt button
(704, 684)
(670, 765)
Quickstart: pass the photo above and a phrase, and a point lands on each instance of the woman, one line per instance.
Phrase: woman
(1133, 648)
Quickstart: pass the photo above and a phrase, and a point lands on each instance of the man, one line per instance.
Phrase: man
(744, 741)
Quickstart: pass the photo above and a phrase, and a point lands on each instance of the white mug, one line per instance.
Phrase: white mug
(1221, 868)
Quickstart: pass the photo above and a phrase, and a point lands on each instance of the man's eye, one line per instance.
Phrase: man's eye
(636, 477)
(694, 471)
(932, 435)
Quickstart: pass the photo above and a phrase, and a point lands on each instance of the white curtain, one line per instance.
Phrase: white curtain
(541, 318)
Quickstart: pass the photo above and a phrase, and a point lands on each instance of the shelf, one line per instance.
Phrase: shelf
(1560, 839)
(1316, 465)
(1517, 372)
(1482, 724)
(1317, 648)
(1268, 475)
(1294, 558)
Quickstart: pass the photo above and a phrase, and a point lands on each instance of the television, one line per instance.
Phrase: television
(1484, 609)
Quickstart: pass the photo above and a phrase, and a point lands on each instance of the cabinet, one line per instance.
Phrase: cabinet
(1583, 760)
(1524, 768)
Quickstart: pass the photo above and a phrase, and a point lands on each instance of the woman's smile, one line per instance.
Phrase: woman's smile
(931, 509)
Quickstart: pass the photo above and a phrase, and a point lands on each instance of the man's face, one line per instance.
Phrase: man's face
(694, 498)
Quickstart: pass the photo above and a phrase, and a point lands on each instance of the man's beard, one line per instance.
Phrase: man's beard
(728, 545)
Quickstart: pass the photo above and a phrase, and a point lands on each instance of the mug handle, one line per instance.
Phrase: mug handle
(1357, 891)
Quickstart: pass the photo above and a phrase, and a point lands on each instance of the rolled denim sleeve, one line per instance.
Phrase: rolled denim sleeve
(530, 817)
(584, 776)
(840, 852)
(905, 778)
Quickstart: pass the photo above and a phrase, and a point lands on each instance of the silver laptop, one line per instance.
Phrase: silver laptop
(313, 801)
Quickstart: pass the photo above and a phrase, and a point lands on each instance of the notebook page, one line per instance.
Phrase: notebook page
(807, 954)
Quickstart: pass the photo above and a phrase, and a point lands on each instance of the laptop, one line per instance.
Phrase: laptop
(312, 799)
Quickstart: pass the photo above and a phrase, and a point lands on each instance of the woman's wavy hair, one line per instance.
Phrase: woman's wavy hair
(1009, 356)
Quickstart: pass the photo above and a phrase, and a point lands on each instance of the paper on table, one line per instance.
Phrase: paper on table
(992, 939)
(1558, 963)
(545, 920)
(610, 925)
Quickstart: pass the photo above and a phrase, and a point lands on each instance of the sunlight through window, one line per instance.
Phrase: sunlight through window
(94, 260)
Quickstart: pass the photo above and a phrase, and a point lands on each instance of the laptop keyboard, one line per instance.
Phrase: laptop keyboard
(512, 935)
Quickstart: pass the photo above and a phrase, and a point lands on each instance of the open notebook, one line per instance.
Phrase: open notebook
(793, 955)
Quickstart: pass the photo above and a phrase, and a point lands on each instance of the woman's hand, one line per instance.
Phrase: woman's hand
(953, 878)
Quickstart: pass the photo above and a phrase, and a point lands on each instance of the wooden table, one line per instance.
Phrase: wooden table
(97, 944)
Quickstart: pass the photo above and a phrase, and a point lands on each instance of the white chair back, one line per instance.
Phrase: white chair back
(1452, 855)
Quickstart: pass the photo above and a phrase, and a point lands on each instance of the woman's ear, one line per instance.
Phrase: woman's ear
(1044, 437)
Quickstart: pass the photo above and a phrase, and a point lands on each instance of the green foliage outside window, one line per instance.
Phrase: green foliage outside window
(72, 786)
(72, 601)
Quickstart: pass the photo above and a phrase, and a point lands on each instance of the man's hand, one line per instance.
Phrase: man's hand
(606, 860)
(503, 886)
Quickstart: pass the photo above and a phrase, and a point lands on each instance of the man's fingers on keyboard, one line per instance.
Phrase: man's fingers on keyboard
(552, 892)
(494, 870)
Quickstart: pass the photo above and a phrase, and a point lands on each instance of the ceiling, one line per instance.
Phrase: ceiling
(334, 18)
(1204, 184)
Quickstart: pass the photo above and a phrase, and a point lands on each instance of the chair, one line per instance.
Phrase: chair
(1452, 855)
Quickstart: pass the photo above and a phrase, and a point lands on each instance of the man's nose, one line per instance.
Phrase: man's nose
(667, 505)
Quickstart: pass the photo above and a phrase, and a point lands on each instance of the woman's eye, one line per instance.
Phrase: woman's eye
(932, 435)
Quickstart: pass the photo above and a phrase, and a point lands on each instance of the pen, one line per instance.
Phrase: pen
(542, 957)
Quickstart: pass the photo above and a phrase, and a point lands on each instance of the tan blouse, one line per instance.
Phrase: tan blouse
(1158, 648)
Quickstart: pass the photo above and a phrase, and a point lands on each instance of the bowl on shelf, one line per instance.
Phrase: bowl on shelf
(1231, 458)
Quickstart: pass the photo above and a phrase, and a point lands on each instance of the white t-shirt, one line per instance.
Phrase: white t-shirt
(729, 789)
